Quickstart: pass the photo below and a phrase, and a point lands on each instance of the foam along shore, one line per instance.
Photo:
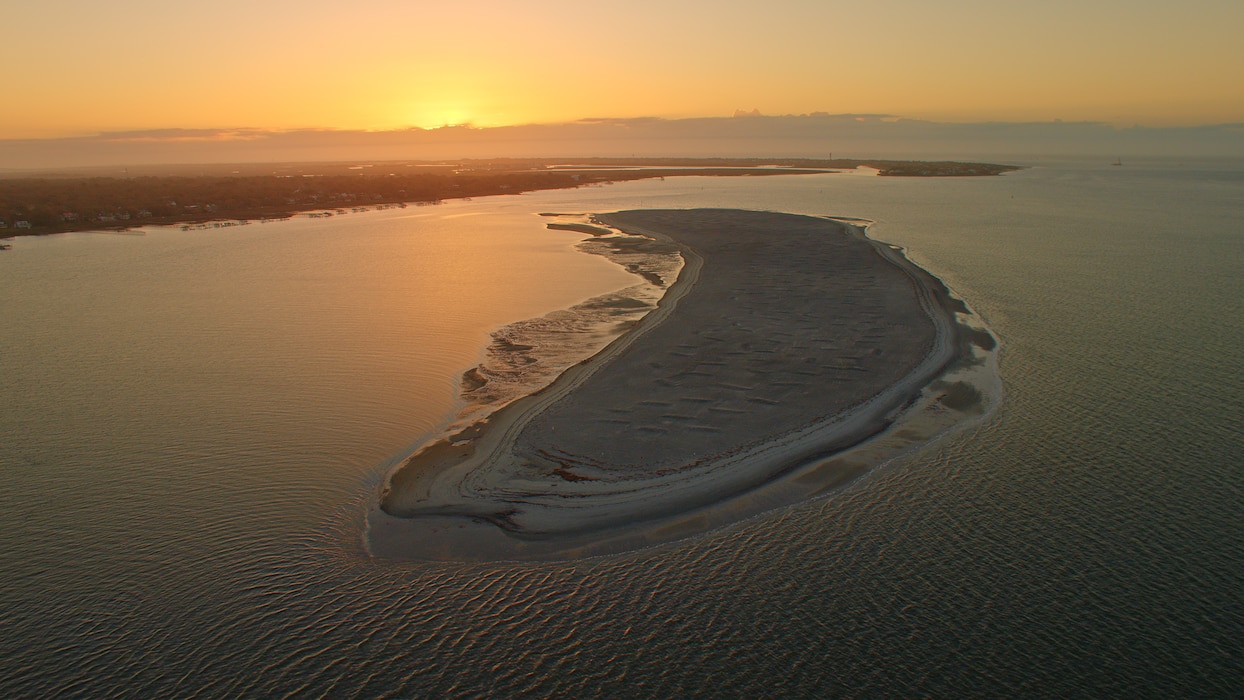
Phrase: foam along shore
(792, 354)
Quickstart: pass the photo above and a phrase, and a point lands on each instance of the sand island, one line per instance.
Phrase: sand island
(781, 357)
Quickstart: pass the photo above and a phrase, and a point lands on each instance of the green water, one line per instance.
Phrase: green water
(192, 425)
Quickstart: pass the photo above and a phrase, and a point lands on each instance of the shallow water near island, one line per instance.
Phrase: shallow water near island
(193, 424)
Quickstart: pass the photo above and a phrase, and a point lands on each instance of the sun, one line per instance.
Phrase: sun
(446, 117)
(434, 114)
(464, 104)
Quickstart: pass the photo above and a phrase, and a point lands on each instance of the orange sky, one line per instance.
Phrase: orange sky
(78, 67)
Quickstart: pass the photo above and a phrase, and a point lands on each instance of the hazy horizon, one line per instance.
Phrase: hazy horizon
(743, 135)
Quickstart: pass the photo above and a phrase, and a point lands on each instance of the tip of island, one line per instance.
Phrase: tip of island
(765, 359)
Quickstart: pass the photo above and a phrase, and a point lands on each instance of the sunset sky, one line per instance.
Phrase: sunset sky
(75, 67)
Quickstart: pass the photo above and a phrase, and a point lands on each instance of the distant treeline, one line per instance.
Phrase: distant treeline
(50, 205)
(76, 204)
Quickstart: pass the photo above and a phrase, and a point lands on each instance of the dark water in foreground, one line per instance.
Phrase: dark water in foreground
(191, 426)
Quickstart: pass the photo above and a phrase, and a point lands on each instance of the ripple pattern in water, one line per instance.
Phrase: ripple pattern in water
(186, 524)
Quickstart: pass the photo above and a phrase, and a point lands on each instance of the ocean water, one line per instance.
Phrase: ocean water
(193, 424)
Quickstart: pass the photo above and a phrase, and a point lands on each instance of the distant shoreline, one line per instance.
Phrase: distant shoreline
(31, 206)
(788, 346)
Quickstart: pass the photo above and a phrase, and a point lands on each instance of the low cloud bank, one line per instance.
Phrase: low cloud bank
(745, 135)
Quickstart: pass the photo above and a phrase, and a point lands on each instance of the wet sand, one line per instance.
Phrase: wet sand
(769, 372)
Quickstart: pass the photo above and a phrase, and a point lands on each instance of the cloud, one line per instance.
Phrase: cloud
(808, 135)
(175, 135)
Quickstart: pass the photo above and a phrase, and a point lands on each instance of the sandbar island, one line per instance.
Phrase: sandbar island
(781, 355)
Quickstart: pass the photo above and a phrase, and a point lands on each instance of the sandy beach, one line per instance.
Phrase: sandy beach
(768, 372)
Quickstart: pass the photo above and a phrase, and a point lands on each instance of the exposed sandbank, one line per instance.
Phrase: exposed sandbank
(769, 371)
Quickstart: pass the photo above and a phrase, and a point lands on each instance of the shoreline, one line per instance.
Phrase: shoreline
(526, 356)
(209, 201)
(510, 487)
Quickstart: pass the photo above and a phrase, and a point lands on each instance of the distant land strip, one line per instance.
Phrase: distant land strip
(85, 200)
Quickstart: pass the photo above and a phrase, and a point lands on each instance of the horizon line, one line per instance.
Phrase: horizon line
(242, 132)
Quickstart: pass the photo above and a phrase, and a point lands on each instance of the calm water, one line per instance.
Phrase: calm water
(193, 423)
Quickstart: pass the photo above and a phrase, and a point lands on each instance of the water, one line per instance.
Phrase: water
(192, 425)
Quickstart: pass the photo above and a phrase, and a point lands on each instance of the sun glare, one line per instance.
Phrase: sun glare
(442, 118)
(436, 114)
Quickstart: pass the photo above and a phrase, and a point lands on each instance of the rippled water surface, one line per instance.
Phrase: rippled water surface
(193, 423)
